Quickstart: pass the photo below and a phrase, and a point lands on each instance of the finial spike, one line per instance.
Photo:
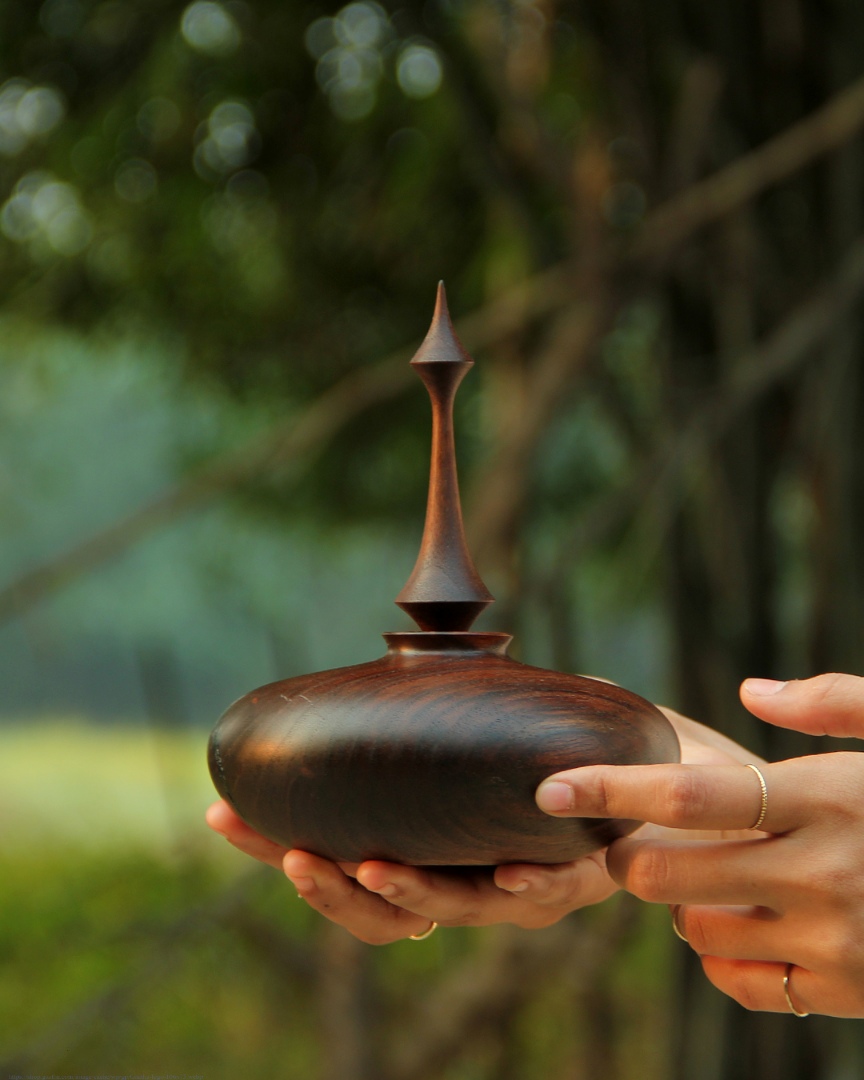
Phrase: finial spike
(441, 308)
(444, 592)
(442, 344)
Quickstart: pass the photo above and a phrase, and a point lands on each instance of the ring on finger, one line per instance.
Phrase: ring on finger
(426, 933)
(675, 925)
(786, 988)
(763, 788)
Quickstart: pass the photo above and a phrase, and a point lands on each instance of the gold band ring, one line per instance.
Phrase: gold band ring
(763, 787)
(425, 934)
(675, 925)
(786, 989)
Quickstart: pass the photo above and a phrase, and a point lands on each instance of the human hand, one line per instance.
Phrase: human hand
(381, 902)
(790, 903)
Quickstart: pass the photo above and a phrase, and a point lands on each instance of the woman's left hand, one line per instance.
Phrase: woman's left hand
(778, 918)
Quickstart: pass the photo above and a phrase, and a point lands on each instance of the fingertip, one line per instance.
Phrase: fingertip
(374, 876)
(555, 797)
(219, 817)
(762, 688)
(512, 879)
(299, 868)
(533, 887)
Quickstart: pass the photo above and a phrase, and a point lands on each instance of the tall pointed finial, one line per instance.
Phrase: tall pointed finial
(444, 592)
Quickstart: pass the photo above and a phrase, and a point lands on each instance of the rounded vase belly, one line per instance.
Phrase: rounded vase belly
(429, 759)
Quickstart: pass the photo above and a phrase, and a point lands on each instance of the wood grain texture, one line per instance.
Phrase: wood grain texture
(430, 755)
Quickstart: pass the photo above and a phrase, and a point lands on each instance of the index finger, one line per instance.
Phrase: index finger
(715, 797)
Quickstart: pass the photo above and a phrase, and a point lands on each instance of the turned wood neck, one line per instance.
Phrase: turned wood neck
(444, 592)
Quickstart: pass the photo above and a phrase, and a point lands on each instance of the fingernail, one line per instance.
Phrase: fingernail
(763, 687)
(387, 889)
(553, 797)
(302, 884)
(520, 886)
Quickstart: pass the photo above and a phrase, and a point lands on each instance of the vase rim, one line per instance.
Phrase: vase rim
(424, 642)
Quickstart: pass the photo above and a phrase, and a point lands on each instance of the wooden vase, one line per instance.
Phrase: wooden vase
(431, 755)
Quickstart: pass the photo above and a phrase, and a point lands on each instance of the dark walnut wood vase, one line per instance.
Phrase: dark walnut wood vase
(432, 754)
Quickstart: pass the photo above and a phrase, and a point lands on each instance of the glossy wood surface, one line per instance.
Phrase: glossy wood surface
(429, 757)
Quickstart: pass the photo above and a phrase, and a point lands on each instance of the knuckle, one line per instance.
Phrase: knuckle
(829, 683)
(604, 795)
(686, 797)
(824, 689)
(649, 873)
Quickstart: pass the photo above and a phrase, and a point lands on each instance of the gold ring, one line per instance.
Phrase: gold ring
(425, 934)
(786, 989)
(675, 925)
(763, 809)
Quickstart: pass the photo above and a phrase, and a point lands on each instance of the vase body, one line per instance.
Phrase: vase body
(430, 755)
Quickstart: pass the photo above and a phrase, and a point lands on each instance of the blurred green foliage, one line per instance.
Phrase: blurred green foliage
(278, 188)
(123, 964)
(210, 213)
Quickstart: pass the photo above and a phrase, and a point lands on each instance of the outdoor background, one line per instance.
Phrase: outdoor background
(221, 230)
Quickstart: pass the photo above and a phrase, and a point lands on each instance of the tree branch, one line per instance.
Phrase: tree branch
(713, 198)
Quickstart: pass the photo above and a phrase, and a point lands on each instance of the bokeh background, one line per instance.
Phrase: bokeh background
(221, 229)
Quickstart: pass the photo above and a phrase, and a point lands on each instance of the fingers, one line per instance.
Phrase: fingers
(439, 897)
(715, 797)
(759, 986)
(748, 872)
(388, 902)
(343, 901)
(824, 705)
(741, 933)
(536, 896)
(568, 886)
(222, 819)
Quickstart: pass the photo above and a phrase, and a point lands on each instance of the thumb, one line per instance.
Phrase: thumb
(823, 705)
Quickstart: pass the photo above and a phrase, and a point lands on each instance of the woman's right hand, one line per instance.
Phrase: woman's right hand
(777, 919)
